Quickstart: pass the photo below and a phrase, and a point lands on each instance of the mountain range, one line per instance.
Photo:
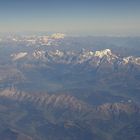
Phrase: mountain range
(55, 93)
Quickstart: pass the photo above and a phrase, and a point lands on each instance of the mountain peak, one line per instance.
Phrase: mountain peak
(58, 36)
(118, 108)
(103, 53)
(19, 55)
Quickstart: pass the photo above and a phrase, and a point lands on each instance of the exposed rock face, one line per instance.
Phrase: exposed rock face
(64, 101)
(116, 109)
(56, 101)
(64, 113)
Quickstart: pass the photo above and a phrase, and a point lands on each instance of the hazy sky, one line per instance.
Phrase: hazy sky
(97, 17)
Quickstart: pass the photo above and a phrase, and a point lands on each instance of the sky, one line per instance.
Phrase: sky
(96, 17)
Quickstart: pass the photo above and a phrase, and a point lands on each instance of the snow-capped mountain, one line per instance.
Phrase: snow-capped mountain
(34, 40)
(48, 84)
(93, 58)
(19, 55)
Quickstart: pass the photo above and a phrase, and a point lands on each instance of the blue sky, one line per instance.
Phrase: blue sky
(97, 17)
